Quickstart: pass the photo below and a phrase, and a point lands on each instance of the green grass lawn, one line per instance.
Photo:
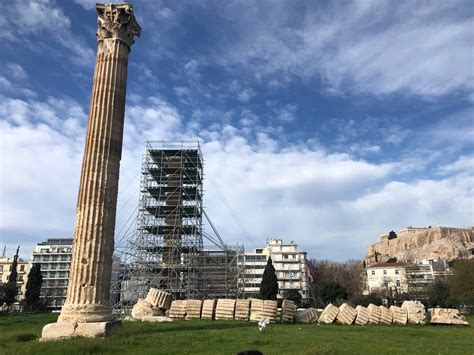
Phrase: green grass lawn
(19, 335)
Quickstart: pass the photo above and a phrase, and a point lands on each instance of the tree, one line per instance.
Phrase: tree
(438, 293)
(329, 292)
(10, 290)
(33, 288)
(293, 295)
(373, 298)
(461, 284)
(269, 285)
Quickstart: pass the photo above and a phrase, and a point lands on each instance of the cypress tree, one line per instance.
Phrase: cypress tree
(269, 285)
(10, 290)
(33, 288)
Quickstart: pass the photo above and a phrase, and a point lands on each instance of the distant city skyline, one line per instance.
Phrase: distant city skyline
(323, 123)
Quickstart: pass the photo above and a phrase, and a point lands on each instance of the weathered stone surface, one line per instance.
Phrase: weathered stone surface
(130, 319)
(87, 299)
(256, 309)
(270, 310)
(399, 315)
(446, 316)
(309, 315)
(329, 314)
(208, 309)
(346, 314)
(363, 315)
(415, 312)
(159, 299)
(385, 315)
(157, 319)
(225, 309)
(178, 309)
(142, 309)
(193, 309)
(288, 310)
(374, 314)
(57, 331)
(88, 290)
(242, 309)
(416, 244)
(97, 329)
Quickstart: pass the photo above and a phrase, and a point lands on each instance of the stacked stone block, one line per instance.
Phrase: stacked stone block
(242, 309)
(270, 310)
(225, 309)
(208, 309)
(374, 311)
(346, 314)
(193, 309)
(363, 315)
(399, 315)
(178, 309)
(159, 299)
(329, 314)
(385, 315)
(256, 309)
(288, 310)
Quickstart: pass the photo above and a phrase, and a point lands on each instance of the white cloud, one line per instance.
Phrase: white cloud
(378, 47)
(27, 22)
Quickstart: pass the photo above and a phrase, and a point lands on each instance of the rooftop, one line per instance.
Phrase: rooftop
(385, 265)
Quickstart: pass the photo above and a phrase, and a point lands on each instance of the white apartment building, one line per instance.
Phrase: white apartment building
(405, 277)
(22, 270)
(291, 267)
(386, 276)
(54, 256)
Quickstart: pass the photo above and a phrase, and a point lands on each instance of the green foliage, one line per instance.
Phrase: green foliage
(461, 284)
(9, 291)
(372, 298)
(33, 289)
(269, 285)
(293, 295)
(438, 293)
(392, 235)
(329, 292)
(392, 260)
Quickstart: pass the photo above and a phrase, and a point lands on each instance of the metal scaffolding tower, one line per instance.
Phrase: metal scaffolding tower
(166, 250)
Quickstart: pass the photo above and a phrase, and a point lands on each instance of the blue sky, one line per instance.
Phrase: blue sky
(323, 122)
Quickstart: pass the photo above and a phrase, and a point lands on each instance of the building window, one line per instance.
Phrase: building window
(396, 272)
(385, 272)
(373, 272)
(398, 283)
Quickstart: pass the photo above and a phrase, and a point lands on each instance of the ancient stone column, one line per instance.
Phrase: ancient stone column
(88, 292)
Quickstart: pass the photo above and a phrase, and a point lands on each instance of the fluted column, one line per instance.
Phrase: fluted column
(91, 266)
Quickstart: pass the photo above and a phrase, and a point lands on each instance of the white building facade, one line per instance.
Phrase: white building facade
(54, 257)
(22, 275)
(291, 267)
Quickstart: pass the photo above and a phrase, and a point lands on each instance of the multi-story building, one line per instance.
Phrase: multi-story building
(386, 276)
(22, 270)
(291, 267)
(54, 257)
(411, 278)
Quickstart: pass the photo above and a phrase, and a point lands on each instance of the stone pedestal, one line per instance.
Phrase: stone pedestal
(87, 307)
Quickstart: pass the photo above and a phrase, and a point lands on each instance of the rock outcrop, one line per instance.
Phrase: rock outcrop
(416, 244)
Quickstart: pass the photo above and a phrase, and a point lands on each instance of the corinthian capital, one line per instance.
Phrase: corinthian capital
(117, 22)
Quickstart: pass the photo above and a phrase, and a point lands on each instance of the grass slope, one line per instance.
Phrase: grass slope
(19, 335)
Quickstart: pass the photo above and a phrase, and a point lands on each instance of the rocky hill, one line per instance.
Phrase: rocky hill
(415, 244)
